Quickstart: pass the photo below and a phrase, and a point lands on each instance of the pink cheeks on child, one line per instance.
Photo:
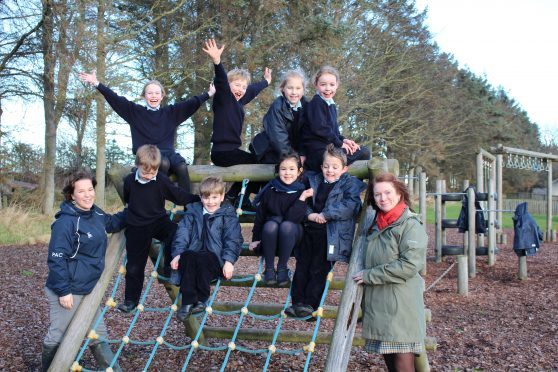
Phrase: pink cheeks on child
(238, 88)
(289, 171)
(293, 90)
(333, 168)
(153, 95)
(326, 86)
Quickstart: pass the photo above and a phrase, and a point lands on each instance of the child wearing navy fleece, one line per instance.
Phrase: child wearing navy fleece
(145, 192)
(233, 91)
(280, 210)
(153, 124)
(320, 126)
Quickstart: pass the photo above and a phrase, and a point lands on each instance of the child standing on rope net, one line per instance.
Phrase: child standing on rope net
(281, 134)
(233, 91)
(206, 246)
(320, 126)
(153, 123)
(328, 232)
(145, 192)
(280, 210)
(76, 259)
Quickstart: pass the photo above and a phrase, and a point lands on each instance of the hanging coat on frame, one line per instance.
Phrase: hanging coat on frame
(463, 220)
(528, 235)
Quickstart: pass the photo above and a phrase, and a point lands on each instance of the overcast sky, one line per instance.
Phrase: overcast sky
(512, 43)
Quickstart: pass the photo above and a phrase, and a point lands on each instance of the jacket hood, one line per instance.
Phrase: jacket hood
(521, 209)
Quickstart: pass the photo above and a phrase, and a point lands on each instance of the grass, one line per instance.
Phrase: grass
(453, 209)
(21, 224)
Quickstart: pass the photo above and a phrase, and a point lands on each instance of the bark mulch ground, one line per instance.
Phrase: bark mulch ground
(504, 324)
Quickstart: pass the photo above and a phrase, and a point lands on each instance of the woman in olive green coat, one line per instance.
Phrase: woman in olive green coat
(393, 323)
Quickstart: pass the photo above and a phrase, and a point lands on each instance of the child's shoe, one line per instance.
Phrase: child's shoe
(291, 311)
(184, 312)
(269, 277)
(303, 311)
(127, 306)
(283, 277)
(199, 308)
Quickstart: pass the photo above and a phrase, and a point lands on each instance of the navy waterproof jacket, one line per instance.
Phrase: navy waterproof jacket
(76, 252)
(528, 235)
(225, 236)
(341, 210)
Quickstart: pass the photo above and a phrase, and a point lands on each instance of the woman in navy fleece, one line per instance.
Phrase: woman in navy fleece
(76, 260)
(153, 124)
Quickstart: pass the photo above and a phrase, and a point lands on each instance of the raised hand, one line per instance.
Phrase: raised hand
(89, 78)
(213, 51)
(267, 75)
(211, 90)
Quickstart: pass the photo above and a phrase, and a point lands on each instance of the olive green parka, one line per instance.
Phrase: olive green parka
(393, 291)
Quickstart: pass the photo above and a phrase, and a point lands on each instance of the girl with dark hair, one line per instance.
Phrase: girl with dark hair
(280, 210)
(393, 321)
(76, 259)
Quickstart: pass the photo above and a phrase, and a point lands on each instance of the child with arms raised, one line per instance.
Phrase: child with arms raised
(233, 91)
(206, 246)
(145, 192)
(280, 210)
(153, 123)
(328, 233)
(320, 123)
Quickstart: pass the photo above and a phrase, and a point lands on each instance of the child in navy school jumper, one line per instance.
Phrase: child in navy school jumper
(153, 124)
(320, 126)
(280, 210)
(328, 233)
(206, 246)
(233, 91)
(145, 192)
(281, 123)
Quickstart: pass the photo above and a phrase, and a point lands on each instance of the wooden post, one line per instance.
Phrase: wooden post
(444, 232)
(422, 209)
(499, 196)
(411, 182)
(522, 268)
(438, 214)
(76, 332)
(349, 306)
(472, 233)
(491, 222)
(462, 276)
(549, 201)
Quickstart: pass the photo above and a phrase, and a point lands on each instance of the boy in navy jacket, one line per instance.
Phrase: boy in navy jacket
(206, 246)
(145, 192)
(233, 91)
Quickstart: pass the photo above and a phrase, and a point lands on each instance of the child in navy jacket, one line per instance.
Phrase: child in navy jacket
(233, 91)
(206, 246)
(154, 124)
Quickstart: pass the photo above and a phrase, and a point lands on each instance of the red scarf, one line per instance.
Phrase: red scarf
(384, 219)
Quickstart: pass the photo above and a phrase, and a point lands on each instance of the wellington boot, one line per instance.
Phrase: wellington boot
(103, 355)
(49, 351)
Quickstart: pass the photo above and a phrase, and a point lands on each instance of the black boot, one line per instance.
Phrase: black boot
(49, 351)
(103, 355)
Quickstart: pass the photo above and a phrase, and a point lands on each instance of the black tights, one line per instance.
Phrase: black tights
(280, 238)
(401, 362)
(180, 170)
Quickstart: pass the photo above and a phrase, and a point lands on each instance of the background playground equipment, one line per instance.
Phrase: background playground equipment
(467, 252)
(346, 313)
(490, 169)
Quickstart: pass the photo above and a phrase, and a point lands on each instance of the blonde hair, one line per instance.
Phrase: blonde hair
(238, 74)
(326, 70)
(296, 73)
(148, 157)
(336, 152)
(153, 82)
(212, 185)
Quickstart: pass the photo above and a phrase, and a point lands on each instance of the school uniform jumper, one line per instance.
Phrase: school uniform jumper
(319, 129)
(204, 243)
(324, 244)
(147, 219)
